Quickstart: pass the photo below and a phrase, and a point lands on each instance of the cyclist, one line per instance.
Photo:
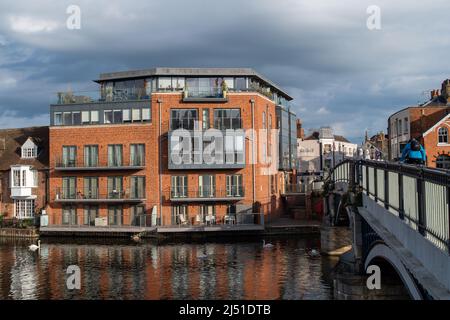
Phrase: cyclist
(413, 153)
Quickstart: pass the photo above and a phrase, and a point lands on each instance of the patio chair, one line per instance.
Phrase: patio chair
(182, 220)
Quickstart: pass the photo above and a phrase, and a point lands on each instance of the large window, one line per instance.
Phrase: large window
(29, 153)
(69, 156)
(137, 187)
(137, 154)
(227, 119)
(208, 214)
(115, 187)
(110, 116)
(90, 188)
(69, 215)
(179, 186)
(69, 188)
(114, 155)
(138, 217)
(443, 161)
(90, 213)
(180, 214)
(443, 135)
(24, 209)
(183, 119)
(91, 156)
(206, 185)
(234, 185)
(22, 176)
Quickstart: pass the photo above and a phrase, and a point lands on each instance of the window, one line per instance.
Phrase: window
(91, 156)
(115, 187)
(90, 213)
(69, 188)
(165, 83)
(69, 156)
(90, 188)
(180, 214)
(234, 185)
(400, 127)
(16, 177)
(69, 215)
(136, 115)
(137, 187)
(205, 119)
(208, 213)
(117, 116)
(67, 118)
(227, 119)
(137, 154)
(94, 116)
(126, 115)
(24, 209)
(183, 119)
(76, 118)
(85, 117)
(146, 114)
(179, 187)
(28, 153)
(115, 155)
(206, 186)
(58, 119)
(264, 120)
(443, 135)
(138, 218)
(115, 215)
(406, 125)
(108, 116)
(443, 161)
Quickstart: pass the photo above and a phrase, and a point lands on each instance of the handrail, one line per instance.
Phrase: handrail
(418, 195)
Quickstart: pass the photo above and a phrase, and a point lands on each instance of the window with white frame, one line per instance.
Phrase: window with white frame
(443, 135)
(24, 209)
(29, 150)
(23, 176)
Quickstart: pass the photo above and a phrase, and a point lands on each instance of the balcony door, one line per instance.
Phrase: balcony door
(115, 187)
(115, 155)
(69, 215)
(69, 156)
(137, 187)
(234, 185)
(91, 156)
(179, 187)
(69, 188)
(91, 188)
(90, 213)
(207, 186)
(115, 215)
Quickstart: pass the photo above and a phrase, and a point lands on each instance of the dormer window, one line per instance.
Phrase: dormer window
(29, 149)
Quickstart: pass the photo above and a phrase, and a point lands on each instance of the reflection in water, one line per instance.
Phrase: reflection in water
(122, 270)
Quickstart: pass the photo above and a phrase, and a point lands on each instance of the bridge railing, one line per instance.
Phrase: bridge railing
(417, 195)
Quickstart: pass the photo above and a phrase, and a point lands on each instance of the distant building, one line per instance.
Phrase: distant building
(376, 147)
(428, 123)
(322, 150)
(23, 171)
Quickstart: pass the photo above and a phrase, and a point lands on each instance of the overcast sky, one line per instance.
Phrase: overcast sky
(321, 52)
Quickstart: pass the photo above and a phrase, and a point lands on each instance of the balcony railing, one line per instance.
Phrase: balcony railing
(93, 195)
(203, 194)
(81, 219)
(74, 165)
(113, 95)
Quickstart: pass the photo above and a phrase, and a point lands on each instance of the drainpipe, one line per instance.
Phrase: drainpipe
(159, 101)
(253, 149)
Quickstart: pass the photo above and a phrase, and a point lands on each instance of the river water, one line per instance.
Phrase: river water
(122, 269)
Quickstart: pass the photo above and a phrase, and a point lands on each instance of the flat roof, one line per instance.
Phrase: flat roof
(190, 72)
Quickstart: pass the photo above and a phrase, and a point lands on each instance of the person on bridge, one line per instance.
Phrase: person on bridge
(413, 153)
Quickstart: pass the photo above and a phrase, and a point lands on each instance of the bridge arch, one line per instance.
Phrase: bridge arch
(382, 251)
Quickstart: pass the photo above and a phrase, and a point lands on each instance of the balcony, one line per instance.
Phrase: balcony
(74, 165)
(99, 96)
(205, 94)
(93, 196)
(206, 194)
(231, 156)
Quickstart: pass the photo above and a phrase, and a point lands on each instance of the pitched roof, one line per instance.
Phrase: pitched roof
(11, 141)
(447, 116)
(340, 138)
(315, 136)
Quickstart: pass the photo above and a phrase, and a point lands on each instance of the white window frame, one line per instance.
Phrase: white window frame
(24, 208)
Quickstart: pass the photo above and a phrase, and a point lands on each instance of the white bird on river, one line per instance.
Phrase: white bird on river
(267, 245)
(34, 247)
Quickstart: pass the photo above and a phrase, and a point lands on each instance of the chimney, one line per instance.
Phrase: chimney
(300, 130)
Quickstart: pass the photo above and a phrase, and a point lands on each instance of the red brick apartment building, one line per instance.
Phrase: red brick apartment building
(429, 123)
(23, 172)
(112, 153)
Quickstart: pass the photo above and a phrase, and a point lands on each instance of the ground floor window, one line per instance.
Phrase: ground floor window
(90, 213)
(208, 214)
(115, 215)
(138, 217)
(69, 215)
(443, 161)
(180, 214)
(24, 209)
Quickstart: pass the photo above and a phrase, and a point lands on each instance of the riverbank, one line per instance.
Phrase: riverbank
(21, 233)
